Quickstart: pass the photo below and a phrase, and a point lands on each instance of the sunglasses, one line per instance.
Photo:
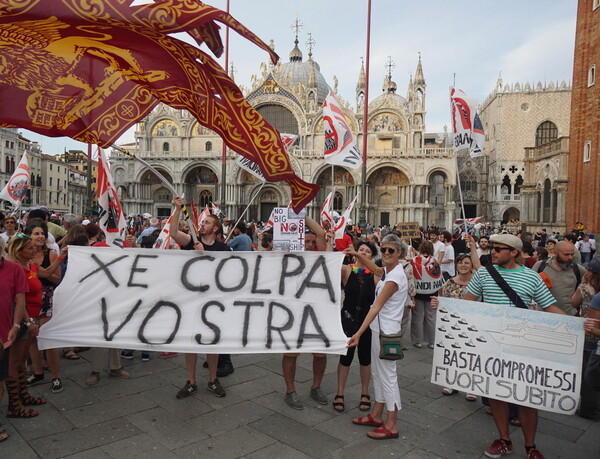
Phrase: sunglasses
(500, 249)
(387, 250)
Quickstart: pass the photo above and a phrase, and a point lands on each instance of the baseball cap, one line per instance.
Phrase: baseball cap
(507, 239)
(593, 265)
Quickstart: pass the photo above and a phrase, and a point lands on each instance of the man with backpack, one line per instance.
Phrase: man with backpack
(561, 275)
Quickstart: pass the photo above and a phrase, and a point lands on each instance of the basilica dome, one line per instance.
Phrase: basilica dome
(297, 72)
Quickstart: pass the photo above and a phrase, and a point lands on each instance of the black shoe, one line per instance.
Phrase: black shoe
(205, 364)
(225, 370)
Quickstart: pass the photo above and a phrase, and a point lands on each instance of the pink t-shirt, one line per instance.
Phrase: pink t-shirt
(12, 281)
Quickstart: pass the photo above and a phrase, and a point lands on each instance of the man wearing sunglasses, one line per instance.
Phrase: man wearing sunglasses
(530, 287)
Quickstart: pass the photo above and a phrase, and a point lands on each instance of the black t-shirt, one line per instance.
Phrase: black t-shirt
(217, 246)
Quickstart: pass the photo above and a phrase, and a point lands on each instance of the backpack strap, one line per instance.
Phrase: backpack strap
(577, 274)
(507, 289)
(542, 265)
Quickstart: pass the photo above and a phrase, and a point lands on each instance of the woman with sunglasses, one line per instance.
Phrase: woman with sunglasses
(385, 316)
(358, 282)
(11, 227)
(43, 258)
(21, 250)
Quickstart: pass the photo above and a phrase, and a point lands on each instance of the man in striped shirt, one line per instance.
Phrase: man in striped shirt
(530, 287)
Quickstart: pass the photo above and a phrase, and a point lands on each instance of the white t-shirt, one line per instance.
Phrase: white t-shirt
(390, 315)
(437, 247)
(448, 255)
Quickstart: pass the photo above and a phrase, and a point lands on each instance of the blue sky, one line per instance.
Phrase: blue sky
(525, 41)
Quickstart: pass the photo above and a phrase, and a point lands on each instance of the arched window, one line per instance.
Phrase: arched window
(208, 146)
(587, 151)
(547, 200)
(205, 198)
(518, 185)
(7, 164)
(592, 75)
(165, 146)
(338, 201)
(505, 188)
(546, 132)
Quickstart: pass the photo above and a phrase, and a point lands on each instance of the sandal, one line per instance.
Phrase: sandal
(515, 422)
(3, 434)
(382, 433)
(339, 406)
(70, 355)
(30, 400)
(367, 421)
(22, 412)
(364, 406)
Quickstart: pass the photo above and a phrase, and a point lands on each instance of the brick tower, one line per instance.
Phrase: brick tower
(583, 195)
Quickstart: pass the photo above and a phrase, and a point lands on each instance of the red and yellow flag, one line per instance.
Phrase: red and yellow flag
(90, 70)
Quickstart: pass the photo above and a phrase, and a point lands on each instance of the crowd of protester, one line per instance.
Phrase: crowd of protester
(379, 288)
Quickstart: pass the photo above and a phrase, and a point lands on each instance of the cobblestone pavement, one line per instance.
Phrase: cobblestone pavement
(141, 417)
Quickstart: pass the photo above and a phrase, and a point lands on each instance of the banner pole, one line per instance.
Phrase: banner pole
(242, 215)
(165, 182)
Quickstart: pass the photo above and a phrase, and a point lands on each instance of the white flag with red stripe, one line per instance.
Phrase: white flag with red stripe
(466, 124)
(215, 209)
(340, 144)
(18, 184)
(270, 222)
(163, 241)
(288, 140)
(340, 226)
(111, 218)
(326, 216)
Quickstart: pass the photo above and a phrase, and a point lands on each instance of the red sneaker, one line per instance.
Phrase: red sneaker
(498, 448)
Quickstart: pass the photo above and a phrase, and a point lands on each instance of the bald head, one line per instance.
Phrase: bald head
(564, 252)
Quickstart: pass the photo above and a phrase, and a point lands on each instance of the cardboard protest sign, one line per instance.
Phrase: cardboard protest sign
(529, 358)
(409, 229)
(288, 229)
(198, 302)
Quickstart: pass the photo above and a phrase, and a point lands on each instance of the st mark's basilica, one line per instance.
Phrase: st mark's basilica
(411, 175)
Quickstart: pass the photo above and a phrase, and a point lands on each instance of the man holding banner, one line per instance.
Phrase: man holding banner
(209, 229)
(508, 283)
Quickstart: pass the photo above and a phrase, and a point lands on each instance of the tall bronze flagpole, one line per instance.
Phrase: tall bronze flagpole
(224, 149)
(363, 187)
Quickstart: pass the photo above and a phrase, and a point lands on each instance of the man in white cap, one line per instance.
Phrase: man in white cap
(529, 286)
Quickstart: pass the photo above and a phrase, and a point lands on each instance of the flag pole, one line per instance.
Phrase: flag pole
(224, 149)
(242, 215)
(363, 186)
(165, 182)
(462, 204)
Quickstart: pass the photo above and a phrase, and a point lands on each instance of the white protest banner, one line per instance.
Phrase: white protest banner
(198, 302)
(529, 358)
(288, 229)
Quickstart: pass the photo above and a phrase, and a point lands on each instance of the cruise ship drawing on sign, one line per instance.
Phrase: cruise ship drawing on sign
(550, 339)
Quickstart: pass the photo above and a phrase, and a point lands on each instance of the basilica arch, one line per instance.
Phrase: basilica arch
(200, 183)
(150, 189)
(343, 181)
(389, 192)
